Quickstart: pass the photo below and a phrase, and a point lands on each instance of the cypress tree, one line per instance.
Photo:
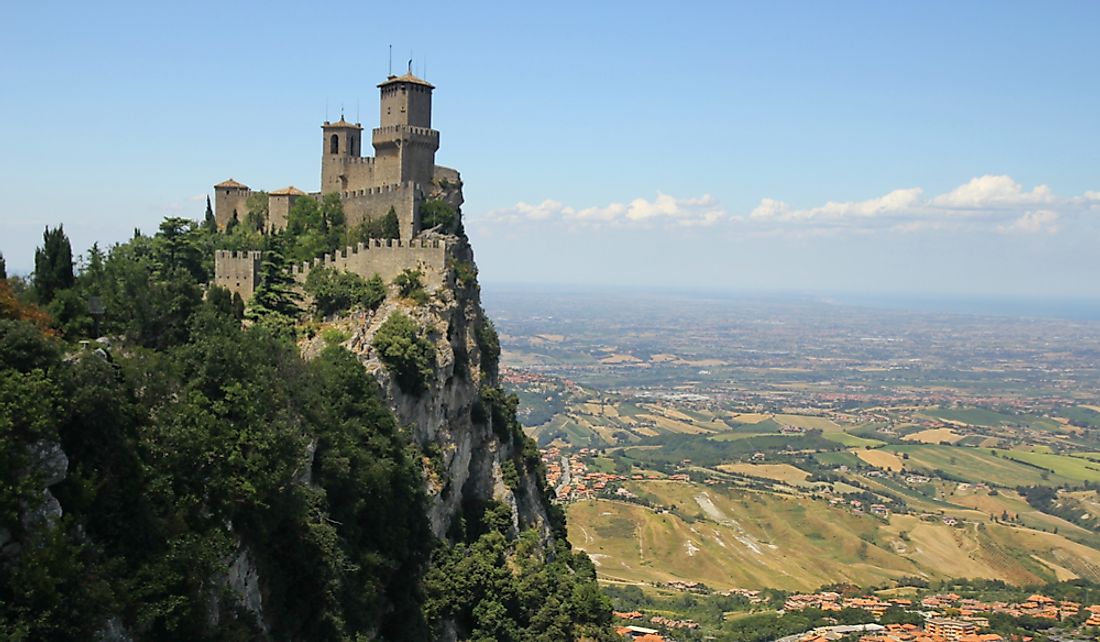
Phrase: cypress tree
(274, 298)
(53, 264)
(209, 222)
(3, 267)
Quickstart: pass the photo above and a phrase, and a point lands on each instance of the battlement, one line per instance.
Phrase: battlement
(383, 189)
(237, 271)
(356, 160)
(425, 132)
(385, 257)
(236, 255)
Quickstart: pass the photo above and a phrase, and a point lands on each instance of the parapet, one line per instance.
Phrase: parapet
(385, 257)
(381, 189)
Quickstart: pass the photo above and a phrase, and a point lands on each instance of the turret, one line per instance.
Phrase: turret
(229, 199)
(406, 137)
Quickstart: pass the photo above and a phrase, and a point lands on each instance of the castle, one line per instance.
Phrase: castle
(401, 175)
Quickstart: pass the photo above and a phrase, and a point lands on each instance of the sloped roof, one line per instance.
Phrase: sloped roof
(231, 183)
(407, 77)
(288, 191)
(343, 124)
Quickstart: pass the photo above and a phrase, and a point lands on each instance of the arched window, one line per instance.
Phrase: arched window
(334, 144)
(351, 146)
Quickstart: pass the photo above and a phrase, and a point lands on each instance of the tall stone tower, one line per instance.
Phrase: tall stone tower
(405, 138)
(342, 144)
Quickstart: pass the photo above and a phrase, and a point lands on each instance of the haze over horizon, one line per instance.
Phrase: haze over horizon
(921, 150)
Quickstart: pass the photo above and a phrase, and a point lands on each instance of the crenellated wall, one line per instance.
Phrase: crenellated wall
(387, 258)
(238, 272)
(376, 202)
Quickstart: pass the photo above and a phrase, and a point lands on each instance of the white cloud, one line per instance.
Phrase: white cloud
(989, 202)
(984, 203)
(1042, 221)
(662, 210)
(988, 191)
(900, 200)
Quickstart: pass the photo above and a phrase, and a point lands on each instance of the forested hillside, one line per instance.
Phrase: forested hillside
(191, 476)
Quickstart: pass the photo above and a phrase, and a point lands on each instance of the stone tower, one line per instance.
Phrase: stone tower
(406, 138)
(343, 142)
(229, 199)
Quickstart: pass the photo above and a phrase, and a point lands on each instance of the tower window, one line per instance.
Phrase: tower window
(334, 145)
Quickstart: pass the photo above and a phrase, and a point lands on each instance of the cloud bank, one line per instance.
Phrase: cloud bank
(997, 204)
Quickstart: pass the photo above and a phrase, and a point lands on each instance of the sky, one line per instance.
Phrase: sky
(904, 148)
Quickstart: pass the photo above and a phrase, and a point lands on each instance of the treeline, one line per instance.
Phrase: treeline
(191, 449)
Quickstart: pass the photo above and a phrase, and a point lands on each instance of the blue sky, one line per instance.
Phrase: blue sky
(911, 148)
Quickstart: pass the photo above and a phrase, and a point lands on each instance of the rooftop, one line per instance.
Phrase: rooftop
(288, 191)
(231, 183)
(343, 124)
(407, 77)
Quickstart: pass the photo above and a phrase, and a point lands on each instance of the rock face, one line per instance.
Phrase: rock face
(448, 419)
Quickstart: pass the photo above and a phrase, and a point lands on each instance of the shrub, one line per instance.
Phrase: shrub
(335, 291)
(436, 213)
(410, 286)
(488, 342)
(408, 354)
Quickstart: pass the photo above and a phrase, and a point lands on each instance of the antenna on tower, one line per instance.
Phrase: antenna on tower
(326, 110)
(357, 111)
(391, 60)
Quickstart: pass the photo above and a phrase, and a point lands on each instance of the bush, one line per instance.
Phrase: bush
(488, 342)
(437, 213)
(335, 291)
(410, 286)
(385, 227)
(408, 354)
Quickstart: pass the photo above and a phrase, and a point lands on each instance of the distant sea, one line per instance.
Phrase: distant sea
(1082, 309)
(1047, 308)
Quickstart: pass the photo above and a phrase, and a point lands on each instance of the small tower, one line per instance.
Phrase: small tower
(279, 203)
(342, 141)
(229, 197)
(406, 138)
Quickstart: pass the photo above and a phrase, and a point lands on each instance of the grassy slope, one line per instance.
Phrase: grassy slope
(750, 539)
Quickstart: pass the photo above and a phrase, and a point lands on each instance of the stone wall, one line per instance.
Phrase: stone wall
(226, 201)
(237, 272)
(376, 202)
(387, 258)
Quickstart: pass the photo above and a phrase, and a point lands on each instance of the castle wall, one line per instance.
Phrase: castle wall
(348, 174)
(226, 200)
(386, 258)
(237, 272)
(376, 202)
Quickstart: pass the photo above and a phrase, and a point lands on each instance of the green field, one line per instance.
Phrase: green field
(737, 538)
(1074, 468)
(976, 465)
(852, 441)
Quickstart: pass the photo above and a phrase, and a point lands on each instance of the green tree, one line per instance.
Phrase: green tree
(437, 213)
(410, 285)
(53, 264)
(407, 352)
(274, 300)
(385, 227)
(209, 222)
(336, 290)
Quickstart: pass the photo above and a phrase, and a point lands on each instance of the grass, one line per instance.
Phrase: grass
(1074, 468)
(852, 441)
(975, 465)
(760, 540)
(934, 436)
(881, 459)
